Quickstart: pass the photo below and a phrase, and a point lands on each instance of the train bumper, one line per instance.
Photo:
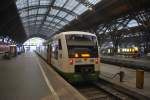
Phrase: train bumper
(75, 77)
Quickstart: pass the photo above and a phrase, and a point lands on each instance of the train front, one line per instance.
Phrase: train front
(83, 56)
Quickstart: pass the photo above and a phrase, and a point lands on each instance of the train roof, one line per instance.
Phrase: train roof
(77, 32)
(69, 32)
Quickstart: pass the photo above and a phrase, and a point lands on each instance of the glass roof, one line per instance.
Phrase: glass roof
(48, 16)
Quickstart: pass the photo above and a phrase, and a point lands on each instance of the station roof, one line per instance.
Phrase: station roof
(10, 23)
(106, 11)
(48, 16)
(43, 18)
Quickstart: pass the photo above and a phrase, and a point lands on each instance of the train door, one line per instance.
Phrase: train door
(49, 54)
(60, 60)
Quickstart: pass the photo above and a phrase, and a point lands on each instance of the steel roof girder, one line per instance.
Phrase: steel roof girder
(49, 27)
(33, 21)
(41, 15)
(47, 6)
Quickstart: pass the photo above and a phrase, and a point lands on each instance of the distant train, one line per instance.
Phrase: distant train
(126, 52)
(11, 50)
(4, 48)
(73, 54)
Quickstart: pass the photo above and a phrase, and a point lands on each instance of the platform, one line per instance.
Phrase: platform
(135, 63)
(129, 83)
(27, 77)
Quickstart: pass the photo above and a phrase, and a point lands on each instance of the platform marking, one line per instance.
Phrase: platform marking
(48, 83)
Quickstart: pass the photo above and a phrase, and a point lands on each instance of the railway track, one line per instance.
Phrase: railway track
(100, 91)
(93, 93)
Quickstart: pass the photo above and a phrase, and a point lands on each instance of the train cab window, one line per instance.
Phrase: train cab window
(60, 46)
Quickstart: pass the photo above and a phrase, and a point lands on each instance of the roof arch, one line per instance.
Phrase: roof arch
(57, 13)
(46, 6)
(41, 15)
(46, 24)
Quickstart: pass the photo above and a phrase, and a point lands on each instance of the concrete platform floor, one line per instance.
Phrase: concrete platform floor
(129, 82)
(21, 79)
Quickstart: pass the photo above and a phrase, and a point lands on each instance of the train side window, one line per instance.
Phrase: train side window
(55, 49)
(60, 46)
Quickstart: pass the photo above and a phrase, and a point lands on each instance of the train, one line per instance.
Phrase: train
(73, 54)
(132, 52)
(9, 50)
(4, 48)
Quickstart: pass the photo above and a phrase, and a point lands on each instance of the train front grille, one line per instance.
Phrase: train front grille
(89, 68)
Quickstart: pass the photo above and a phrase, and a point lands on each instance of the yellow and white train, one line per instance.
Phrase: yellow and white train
(73, 54)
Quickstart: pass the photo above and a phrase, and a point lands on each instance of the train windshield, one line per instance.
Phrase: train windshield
(81, 46)
(80, 37)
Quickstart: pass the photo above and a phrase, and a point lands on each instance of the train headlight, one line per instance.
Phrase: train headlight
(71, 61)
(97, 61)
(76, 55)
